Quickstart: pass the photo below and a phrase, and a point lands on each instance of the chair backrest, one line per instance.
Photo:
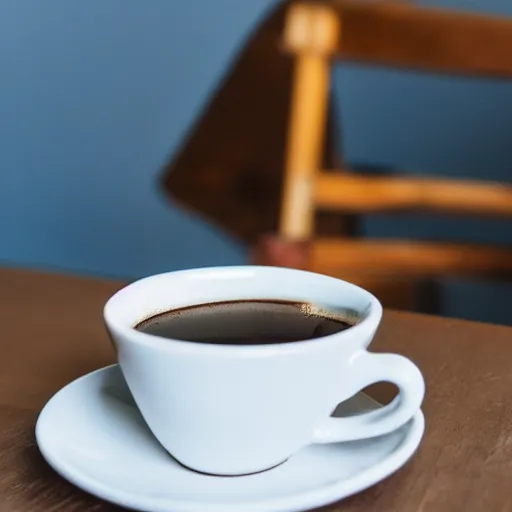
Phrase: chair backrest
(390, 34)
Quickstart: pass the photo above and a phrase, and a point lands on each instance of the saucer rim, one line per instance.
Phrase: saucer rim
(300, 502)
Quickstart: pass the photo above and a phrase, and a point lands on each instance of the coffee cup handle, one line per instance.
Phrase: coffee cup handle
(373, 368)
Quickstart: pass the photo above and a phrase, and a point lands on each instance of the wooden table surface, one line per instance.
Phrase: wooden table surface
(52, 332)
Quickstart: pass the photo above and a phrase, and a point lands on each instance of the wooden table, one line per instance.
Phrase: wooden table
(52, 331)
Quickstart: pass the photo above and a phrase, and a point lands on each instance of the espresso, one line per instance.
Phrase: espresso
(243, 322)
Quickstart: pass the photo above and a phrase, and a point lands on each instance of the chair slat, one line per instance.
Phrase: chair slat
(408, 258)
(406, 35)
(354, 193)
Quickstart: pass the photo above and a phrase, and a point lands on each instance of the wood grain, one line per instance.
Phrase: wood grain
(405, 35)
(350, 192)
(230, 168)
(52, 332)
(408, 258)
(52, 327)
(317, 31)
(401, 273)
(401, 294)
(391, 34)
(27, 483)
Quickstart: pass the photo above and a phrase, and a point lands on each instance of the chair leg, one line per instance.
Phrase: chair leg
(275, 251)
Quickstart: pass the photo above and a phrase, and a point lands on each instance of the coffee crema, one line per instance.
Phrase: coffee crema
(243, 322)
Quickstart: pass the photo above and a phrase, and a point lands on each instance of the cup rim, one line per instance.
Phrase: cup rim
(130, 334)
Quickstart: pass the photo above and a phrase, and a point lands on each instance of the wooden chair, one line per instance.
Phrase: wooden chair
(398, 35)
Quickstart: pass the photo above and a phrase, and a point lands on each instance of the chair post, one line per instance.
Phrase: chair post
(312, 35)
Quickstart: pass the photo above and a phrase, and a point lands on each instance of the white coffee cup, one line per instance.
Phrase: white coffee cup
(233, 410)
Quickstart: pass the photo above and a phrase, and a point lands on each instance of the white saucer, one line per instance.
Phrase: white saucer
(93, 435)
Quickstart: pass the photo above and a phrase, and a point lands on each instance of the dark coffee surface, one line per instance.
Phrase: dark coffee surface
(248, 322)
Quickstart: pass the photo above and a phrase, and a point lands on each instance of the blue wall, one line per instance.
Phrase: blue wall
(95, 96)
